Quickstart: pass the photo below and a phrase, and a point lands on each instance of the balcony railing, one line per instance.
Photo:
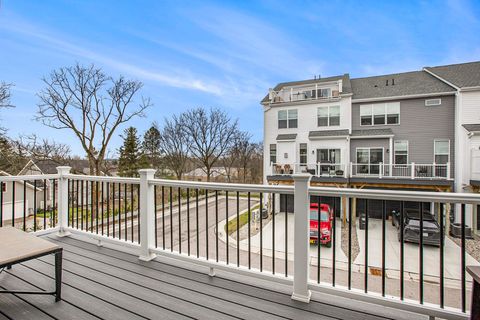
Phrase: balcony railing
(376, 170)
(304, 94)
(403, 171)
(251, 230)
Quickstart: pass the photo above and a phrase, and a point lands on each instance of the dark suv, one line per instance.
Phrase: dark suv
(411, 227)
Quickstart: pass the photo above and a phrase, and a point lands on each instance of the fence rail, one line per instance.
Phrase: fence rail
(265, 231)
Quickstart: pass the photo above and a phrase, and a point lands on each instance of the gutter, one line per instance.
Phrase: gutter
(385, 136)
(412, 96)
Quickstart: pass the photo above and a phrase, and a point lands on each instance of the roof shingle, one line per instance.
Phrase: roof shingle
(461, 75)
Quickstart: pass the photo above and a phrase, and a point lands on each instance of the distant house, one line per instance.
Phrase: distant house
(218, 174)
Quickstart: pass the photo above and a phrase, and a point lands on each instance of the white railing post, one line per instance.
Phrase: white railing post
(412, 173)
(433, 170)
(301, 256)
(351, 169)
(147, 215)
(318, 169)
(380, 170)
(62, 208)
(448, 171)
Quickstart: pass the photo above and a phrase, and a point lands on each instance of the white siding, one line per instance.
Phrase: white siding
(470, 107)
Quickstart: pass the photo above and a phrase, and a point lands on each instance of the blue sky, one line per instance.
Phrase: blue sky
(223, 54)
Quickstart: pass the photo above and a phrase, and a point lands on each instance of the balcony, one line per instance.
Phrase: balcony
(150, 248)
(312, 93)
(359, 170)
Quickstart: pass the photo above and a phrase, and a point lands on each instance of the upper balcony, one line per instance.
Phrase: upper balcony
(411, 171)
(306, 93)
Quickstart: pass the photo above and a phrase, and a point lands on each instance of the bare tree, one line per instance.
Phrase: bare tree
(90, 104)
(43, 149)
(5, 95)
(245, 151)
(174, 145)
(210, 134)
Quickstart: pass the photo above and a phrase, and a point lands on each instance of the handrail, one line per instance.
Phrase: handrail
(103, 178)
(29, 177)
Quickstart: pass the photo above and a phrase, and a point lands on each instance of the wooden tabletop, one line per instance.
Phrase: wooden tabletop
(17, 245)
(474, 271)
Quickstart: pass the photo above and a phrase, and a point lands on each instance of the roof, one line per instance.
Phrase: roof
(399, 84)
(472, 127)
(346, 86)
(290, 136)
(328, 133)
(372, 132)
(461, 75)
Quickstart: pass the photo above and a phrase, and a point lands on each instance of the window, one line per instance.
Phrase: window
(442, 151)
(380, 114)
(328, 116)
(273, 153)
(433, 102)
(324, 93)
(401, 152)
(329, 160)
(303, 153)
(368, 160)
(287, 119)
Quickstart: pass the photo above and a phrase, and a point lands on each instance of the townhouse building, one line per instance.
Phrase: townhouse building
(396, 131)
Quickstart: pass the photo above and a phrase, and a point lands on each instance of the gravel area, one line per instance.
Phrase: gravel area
(355, 245)
(471, 245)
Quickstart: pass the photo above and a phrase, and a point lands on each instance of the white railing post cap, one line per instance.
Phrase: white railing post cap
(301, 176)
(147, 172)
(64, 169)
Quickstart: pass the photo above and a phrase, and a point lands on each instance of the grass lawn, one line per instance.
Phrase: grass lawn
(231, 226)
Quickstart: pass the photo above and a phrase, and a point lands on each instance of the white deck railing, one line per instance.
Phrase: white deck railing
(154, 222)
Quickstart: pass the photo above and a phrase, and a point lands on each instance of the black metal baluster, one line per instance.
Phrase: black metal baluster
(45, 204)
(196, 225)
(108, 209)
(13, 203)
(216, 224)
(82, 201)
(238, 229)
(76, 197)
(24, 205)
(366, 247)
(113, 209)
(154, 214)
(261, 232)
(350, 243)
(138, 216)
(273, 233)
(96, 206)
(318, 237)
(119, 211)
(249, 232)
(171, 218)
(333, 238)
(163, 217)
(1, 203)
(35, 204)
(131, 212)
(286, 235)
(421, 255)
(464, 289)
(402, 252)
(206, 223)
(92, 204)
(179, 222)
(442, 257)
(384, 220)
(125, 204)
(188, 221)
(54, 206)
(103, 205)
(227, 257)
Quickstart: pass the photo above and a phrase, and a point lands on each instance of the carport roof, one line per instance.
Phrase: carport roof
(472, 127)
(286, 137)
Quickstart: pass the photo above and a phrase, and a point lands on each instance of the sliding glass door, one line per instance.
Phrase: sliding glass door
(368, 160)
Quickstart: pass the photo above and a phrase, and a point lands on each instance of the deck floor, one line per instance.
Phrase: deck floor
(103, 283)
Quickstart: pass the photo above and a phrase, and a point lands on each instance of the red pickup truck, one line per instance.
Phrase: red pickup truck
(326, 217)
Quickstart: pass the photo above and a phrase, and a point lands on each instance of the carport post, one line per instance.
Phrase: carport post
(301, 256)
(147, 215)
(62, 209)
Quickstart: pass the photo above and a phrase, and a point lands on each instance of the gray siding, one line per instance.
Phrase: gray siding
(420, 125)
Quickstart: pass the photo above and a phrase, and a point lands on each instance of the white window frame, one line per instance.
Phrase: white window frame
(288, 118)
(300, 153)
(440, 154)
(385, 107)
(270, 152)
(395, 153)
(433, 105)
(329, 116)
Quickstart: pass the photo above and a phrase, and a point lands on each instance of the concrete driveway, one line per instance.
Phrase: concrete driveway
(431, 255)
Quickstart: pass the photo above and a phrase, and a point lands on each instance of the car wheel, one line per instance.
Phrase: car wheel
(329, 244)
(393, 221)
(399, 237)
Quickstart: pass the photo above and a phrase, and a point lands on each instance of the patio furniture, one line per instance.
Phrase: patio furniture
(474, 271)
(288, 169)
(17, 246)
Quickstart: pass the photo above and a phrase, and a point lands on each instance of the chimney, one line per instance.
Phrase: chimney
(393, 81)
(314, 77)
(386, 83)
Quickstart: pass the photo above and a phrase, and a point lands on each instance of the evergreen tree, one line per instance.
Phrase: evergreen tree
(131, 156)
(151, 146)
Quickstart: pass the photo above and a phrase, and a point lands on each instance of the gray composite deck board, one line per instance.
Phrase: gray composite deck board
(103, 283)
